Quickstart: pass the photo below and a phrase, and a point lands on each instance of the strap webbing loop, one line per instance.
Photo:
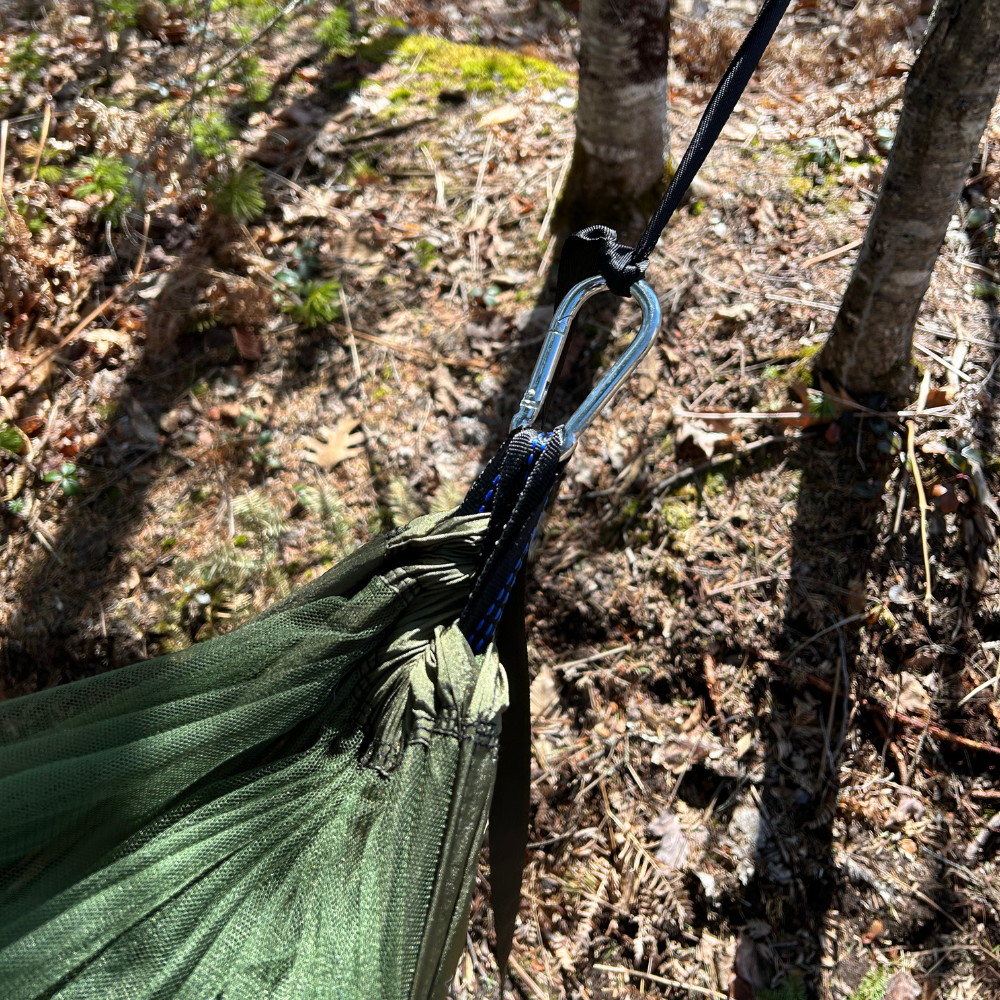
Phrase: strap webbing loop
(597, 250)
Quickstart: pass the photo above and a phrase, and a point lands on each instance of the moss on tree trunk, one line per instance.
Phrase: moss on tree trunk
(947, 102)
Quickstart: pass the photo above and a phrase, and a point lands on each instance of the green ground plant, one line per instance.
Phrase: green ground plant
(238, 193)
(318, 302)
(108, 178)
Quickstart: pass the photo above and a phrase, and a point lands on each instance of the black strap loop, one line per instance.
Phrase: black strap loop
(596, 250)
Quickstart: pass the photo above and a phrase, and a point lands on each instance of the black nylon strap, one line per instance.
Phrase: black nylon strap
(596, 250)
(514, 487)
(512, 790)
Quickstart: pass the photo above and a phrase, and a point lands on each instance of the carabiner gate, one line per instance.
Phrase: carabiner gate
(610, 383)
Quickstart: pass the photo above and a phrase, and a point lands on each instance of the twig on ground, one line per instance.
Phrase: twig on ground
(944, 362)
(836, 625)
(352, 342)
(42, 139)
(932, 729)
(572, 664)
(879, 106)
(744, 584)
(692, 470)
(480, 177)
(554, 198)
(830, 254)
(619, 970)
(142, 247)
(412, 352)
(516, 966)
(80, 327)
(4, 128)
(922, 501)
(387, 130)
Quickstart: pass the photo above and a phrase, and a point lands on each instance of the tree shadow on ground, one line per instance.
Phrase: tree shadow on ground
(60, 632)
(803, 902)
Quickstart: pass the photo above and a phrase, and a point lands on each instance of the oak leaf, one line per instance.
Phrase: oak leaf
(334, 444)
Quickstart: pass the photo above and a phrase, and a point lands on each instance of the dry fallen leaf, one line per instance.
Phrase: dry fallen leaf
(902, 986)
(335, 444)
(500, 116)
(106, 340)
(247, 343)
(699, 438)
(940, 397)
(444, 391)
(873, 931)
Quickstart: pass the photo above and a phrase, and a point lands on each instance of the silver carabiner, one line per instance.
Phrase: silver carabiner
(610, 383)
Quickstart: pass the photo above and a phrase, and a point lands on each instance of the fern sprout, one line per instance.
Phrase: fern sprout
(104, 176)
(402, 501)
(239, 194)
(319, 302)
(323, 502)
(334, 32)
(210, 134)
(248, 74)
(447, 496)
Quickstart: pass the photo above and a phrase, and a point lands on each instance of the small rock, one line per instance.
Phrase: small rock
(745, 824)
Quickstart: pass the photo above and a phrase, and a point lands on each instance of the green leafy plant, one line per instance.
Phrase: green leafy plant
(822, 151)
(426, 254)
(12, 438)
(122, 13)
(66, 477)
(107, 177)
(323, 502)
(260, 455)
(334, 32)
(239, 193)
(17, 506)
(872, 987)
(26, 58)
(822, 406)
(210, 134)
(318, 302)
(248, 74)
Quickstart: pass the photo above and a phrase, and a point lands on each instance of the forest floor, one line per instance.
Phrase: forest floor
(766, 752)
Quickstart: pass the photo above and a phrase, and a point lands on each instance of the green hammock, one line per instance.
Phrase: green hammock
(292, 810)
(295, 810)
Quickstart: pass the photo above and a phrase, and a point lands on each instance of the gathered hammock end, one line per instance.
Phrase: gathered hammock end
(293, 810)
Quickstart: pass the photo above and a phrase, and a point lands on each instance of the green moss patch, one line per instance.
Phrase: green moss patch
(478, 69)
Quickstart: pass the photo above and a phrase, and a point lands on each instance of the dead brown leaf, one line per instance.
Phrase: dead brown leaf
(694, 439)
(247, 343)
(444, 391)
(500, 116)
(335, 444)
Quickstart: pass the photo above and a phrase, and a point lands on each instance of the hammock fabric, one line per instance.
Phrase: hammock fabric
(292, 810)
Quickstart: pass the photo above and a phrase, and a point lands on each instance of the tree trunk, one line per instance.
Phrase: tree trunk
(947, 102)
(621, 122)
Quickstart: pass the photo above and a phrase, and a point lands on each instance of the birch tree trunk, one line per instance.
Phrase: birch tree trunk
(621, 121)
(949, 94)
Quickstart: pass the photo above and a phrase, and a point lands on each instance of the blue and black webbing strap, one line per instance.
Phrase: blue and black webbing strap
(514, 487)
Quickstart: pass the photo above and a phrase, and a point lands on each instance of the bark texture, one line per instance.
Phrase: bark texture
(621, 120)
(949, 94)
